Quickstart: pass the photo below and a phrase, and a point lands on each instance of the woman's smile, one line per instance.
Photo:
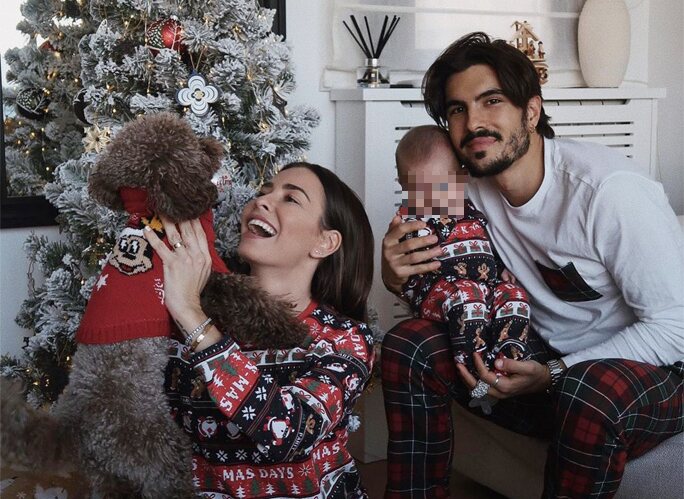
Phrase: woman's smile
(260, 228)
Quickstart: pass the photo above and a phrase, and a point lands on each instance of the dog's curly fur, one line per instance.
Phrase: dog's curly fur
(254, 321)
(37, 429)
(113, 420)
(161, 154)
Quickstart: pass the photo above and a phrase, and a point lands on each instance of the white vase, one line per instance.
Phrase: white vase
(603, 34)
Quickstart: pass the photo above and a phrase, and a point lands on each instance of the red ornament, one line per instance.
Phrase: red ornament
(46, 45)
(165, 34)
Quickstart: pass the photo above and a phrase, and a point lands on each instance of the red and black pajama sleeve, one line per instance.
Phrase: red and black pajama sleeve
(289, 420)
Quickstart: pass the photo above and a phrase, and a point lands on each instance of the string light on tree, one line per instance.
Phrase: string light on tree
(239, 33)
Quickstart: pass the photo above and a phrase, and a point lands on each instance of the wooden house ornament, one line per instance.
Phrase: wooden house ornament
(529, 44)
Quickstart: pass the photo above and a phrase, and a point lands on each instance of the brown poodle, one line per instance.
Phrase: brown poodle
(112, 422)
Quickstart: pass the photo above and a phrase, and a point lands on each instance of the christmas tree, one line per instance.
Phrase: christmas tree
(44, 79)
(215, 61)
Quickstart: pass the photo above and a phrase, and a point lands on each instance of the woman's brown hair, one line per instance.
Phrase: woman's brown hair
(343, 279)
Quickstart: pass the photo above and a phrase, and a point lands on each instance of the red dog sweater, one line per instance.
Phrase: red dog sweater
(127, 301)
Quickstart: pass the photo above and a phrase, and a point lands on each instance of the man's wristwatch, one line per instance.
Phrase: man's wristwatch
(556, 371)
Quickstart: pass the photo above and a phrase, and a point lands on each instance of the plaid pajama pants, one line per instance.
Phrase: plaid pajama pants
(603, 413)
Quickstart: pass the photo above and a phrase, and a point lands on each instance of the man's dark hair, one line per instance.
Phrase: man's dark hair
(516, 73)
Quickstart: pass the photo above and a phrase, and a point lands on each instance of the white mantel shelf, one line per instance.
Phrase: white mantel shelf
(414, 94)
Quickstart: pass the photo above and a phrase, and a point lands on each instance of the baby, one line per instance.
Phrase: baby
(486, 310)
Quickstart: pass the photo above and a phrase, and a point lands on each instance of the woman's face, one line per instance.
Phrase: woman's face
(282, 226)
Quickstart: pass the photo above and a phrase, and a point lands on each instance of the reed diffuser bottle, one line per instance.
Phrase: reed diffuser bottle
(372, 74)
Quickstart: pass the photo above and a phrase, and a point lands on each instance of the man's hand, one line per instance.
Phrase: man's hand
(523, 377)
(400, 260)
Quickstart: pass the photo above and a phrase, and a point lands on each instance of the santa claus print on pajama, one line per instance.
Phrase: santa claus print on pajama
(273, 423)
(484, 313)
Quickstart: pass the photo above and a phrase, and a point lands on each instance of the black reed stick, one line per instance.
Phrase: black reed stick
(388, 34)
(367, 51)
(382, 41)
(352, 34)
(370, 38)
(393, 27)
(382, 34)
(374, 51)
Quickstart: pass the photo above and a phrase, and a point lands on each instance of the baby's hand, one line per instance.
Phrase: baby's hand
(506, 276)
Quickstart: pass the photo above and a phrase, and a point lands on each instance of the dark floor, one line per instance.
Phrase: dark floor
(374, 478)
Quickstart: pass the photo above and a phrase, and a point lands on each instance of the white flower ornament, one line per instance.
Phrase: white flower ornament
(198, 95)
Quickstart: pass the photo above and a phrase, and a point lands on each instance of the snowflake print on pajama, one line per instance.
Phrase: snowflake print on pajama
(273, 423)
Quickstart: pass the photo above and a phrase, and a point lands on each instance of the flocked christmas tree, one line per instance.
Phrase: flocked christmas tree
(215, 61)
(45, 81)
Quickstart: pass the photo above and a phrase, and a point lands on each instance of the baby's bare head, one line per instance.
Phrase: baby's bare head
(431, 177)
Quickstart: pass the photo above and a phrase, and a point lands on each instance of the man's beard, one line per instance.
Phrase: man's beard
(516, 147)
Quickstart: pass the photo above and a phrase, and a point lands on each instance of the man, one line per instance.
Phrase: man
(599, 251)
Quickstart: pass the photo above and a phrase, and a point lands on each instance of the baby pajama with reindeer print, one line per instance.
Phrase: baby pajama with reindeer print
(486, 315)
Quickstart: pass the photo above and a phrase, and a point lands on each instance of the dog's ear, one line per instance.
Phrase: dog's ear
(104, 182)
(186, 200)
(183, 198)
(214, 151)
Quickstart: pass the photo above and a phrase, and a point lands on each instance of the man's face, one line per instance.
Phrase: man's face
(487, 130)
(434, 186)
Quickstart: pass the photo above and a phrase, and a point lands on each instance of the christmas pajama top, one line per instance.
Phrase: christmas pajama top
(484, 314)
(600, 253)
(467, 254)
(273, 423)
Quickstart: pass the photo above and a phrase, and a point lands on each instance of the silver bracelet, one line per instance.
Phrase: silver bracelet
(196, 332)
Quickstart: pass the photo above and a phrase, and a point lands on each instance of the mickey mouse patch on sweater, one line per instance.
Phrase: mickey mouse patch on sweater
(132, 254)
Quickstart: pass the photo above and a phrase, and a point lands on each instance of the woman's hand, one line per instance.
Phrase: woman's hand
(400, 260)
(187, 265)
(522, 377)
(507, 276)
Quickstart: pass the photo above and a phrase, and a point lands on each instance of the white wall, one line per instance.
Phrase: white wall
(308, 34)
(666, 69)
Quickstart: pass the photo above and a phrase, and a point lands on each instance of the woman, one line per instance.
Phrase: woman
(273, 422)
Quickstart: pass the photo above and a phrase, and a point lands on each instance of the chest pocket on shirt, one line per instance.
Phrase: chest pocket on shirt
(567, 284)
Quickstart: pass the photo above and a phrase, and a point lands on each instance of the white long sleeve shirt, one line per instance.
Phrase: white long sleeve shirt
(594, 213)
